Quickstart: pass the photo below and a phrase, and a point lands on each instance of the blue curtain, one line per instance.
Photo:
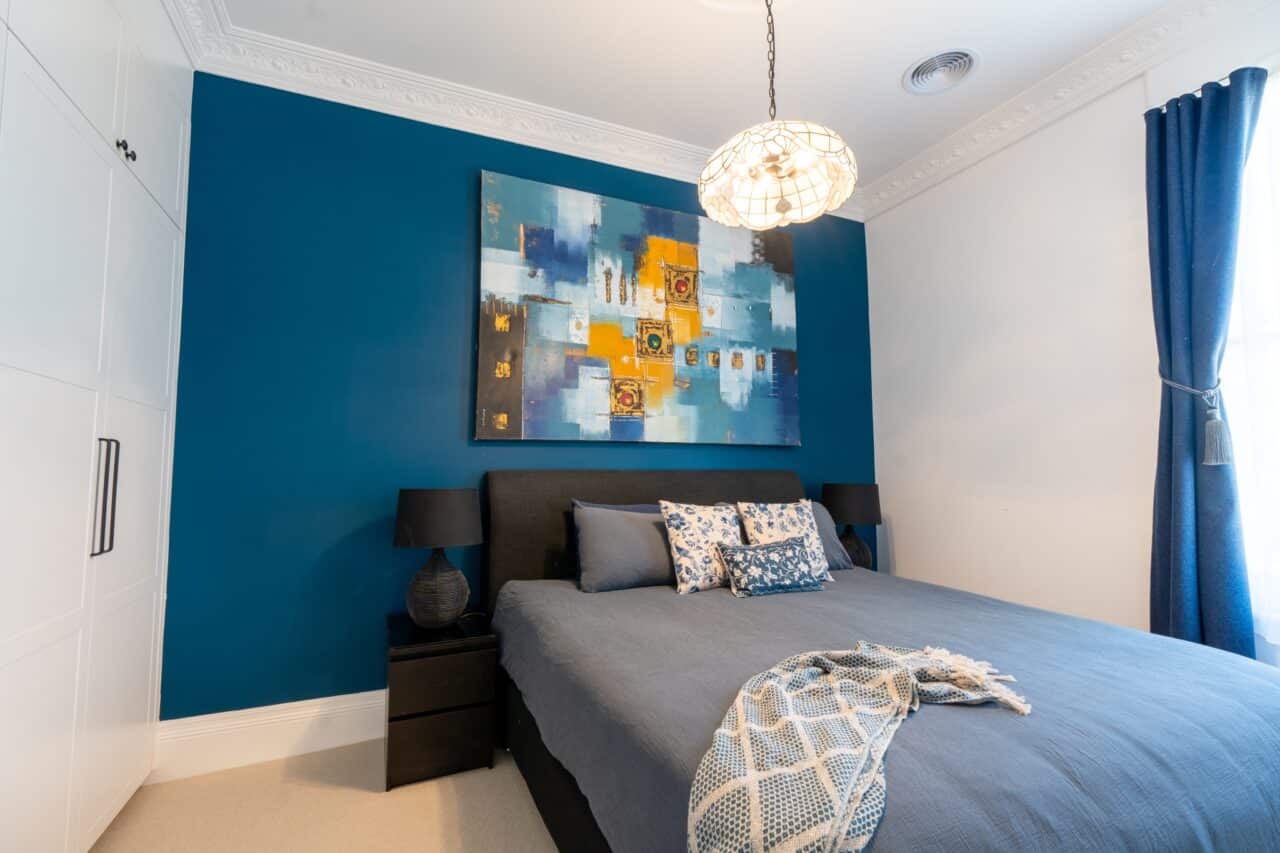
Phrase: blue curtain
(1196, 151)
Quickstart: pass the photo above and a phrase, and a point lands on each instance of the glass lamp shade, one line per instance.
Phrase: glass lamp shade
(777, 173)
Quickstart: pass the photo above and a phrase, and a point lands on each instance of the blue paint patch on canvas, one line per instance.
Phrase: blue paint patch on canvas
(671, 224)
(626, 429)
(560, 260)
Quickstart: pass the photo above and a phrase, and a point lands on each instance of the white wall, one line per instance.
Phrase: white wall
(1013, 358)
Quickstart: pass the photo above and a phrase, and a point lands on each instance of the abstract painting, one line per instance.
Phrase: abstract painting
(608, 320)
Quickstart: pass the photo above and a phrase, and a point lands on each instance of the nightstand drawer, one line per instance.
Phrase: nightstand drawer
(425, 684)
(436, 744)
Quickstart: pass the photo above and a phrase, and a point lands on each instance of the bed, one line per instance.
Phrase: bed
(1136, 742)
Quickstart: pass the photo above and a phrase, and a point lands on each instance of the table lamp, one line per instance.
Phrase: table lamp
(850, 504)
(437, 519)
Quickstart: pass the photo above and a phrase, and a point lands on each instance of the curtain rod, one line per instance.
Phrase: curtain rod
(1222, 81)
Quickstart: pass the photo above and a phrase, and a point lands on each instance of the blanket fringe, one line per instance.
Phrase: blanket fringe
(979, 675)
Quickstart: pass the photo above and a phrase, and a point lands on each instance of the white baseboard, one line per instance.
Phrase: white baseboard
(191, 746)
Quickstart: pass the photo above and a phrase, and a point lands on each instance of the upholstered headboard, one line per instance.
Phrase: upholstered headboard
(531, 522)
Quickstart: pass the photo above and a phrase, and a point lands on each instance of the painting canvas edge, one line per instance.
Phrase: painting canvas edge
(605, 320)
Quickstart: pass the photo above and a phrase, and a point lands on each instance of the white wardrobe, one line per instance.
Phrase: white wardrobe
(94, 127)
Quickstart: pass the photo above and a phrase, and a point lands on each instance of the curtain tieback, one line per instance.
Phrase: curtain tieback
(1217, 438)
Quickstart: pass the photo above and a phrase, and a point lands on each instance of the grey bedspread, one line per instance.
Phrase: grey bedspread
(1137, 742)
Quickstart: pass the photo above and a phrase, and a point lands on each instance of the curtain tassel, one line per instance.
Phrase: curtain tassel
(1217, 436)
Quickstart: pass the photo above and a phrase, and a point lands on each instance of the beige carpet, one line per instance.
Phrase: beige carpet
(327, 802)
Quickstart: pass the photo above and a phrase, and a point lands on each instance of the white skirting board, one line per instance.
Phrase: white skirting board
(190, 746)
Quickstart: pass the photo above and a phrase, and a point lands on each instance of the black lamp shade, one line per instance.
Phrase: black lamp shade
(852, 503)
(438, 518)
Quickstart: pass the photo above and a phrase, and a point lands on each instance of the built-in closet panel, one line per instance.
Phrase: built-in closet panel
(47, 444)
(4, 44)
(116, 745)
(91, 241)
(38, 693)
(56, 178)
(141, 288)
(79, 43)
(47, 453)
(146, 23)
(155, 126)
(140, 489)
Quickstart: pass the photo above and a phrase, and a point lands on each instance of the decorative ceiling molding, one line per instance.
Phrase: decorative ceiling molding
(219, 47)
(1117, 61)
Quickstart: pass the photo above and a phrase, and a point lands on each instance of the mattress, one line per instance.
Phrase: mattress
(1136, 742)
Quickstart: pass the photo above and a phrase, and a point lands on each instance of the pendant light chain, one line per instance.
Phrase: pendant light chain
(773, 106)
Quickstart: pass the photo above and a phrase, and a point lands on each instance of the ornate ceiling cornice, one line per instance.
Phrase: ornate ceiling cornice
(219, 47)
(1109, 66)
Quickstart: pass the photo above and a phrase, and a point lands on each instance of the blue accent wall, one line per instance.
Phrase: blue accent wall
(328, 336)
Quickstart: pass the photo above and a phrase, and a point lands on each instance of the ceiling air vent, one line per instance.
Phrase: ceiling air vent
(940, 72)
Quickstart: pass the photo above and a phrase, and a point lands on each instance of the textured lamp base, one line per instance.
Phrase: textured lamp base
(859, 551)
(438, 593)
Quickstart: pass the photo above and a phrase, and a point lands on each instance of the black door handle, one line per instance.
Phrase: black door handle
(123, 145)
(108, 492)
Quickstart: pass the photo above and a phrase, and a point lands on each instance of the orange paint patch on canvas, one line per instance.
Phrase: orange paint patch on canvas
(686, 326)
(686, 321)
(650, 270)
(606, 340)
(659, 381)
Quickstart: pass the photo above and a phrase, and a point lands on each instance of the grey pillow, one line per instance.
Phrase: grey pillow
(620, 547)
(837, 556)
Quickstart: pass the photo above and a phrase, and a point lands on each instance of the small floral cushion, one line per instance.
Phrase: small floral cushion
(694, 532)
(768, 569)
(767, 523)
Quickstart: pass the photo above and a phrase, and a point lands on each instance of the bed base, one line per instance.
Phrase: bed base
(560, 801)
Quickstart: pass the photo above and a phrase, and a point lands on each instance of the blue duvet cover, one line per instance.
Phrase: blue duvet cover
(1136, 742)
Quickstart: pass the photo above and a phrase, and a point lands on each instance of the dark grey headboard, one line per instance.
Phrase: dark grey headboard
(530, 523)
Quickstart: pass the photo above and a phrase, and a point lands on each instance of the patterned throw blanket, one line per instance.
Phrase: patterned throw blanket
(798, 762)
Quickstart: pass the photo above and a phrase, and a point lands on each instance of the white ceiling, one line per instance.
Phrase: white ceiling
(694, 70)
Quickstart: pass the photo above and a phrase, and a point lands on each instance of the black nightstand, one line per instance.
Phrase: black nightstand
(440, 699)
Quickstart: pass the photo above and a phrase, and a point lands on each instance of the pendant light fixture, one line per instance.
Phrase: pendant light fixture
(777, 172)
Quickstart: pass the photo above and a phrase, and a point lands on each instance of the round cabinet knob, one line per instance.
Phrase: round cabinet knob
(123, 145)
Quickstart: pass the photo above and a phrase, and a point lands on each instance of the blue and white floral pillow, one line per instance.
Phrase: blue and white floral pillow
(766, 523)
(694, 532)
(768, 569)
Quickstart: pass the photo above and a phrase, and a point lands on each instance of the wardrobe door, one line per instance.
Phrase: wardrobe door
(55, 197)
(39, 695)
(118, 729)
(78, 43)
(156, 127)
(118, 732)
(4, 40)
(141, 290)
(47, 453)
